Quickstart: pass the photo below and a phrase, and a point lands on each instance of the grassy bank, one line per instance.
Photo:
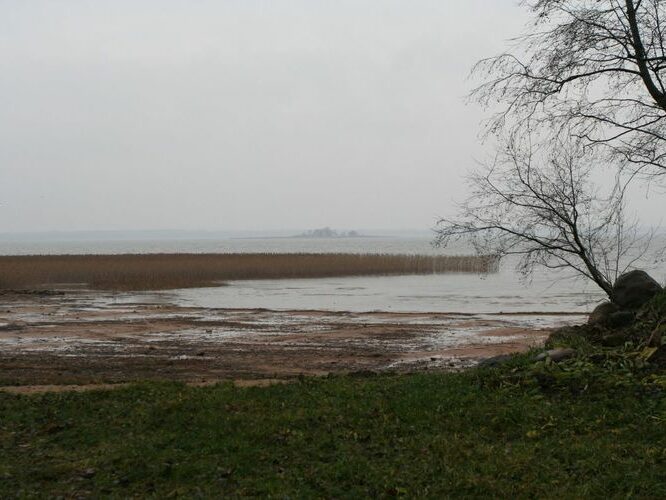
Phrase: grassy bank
(162, 271)
(480, 433)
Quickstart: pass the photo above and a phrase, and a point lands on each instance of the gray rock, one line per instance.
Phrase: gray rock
(602, 313)
(556, 355)
(620, 318)
(633, 289)
(496, 360)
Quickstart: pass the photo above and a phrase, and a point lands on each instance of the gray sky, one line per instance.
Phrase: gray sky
(239, 114)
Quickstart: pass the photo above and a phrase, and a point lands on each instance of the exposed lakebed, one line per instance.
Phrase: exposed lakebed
(83, 337)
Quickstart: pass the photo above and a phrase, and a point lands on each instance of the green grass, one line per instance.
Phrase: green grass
(474, 434)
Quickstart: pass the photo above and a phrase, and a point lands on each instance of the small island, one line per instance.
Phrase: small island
(327, 232)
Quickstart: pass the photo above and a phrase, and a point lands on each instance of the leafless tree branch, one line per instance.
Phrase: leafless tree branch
(540, 202)
(594, 67)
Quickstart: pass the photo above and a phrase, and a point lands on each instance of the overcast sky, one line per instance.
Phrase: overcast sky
(239, 114)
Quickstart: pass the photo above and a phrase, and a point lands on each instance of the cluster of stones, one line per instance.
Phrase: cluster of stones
(631, 291)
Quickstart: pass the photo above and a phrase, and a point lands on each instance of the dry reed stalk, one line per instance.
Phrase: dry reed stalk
(165, 271)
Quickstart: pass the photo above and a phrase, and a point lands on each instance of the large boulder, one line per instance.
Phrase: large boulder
(620, 319)
(633, 289)
(601, 314)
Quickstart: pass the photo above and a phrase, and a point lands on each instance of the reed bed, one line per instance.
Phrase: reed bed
(168, 271)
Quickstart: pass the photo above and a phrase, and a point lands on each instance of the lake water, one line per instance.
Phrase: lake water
(393, 245)
(464, 293)
(501, 292)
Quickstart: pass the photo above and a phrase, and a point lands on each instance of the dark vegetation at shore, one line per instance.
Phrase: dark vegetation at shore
(164, 271)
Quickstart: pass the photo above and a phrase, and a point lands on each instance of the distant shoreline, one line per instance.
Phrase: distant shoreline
(304, 237)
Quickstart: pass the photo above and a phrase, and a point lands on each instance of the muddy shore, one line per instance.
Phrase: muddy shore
(83, 338)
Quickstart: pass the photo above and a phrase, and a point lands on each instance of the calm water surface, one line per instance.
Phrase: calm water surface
(228, 245)
(425, 293)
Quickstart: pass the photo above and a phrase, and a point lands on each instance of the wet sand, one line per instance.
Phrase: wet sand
(93, 340)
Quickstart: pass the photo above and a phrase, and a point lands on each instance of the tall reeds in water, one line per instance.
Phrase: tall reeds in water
(164, 271)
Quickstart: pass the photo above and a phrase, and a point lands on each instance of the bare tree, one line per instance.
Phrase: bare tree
(594, 67)
(541, 203)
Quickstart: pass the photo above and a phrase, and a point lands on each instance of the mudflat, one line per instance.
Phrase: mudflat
(90, 337)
